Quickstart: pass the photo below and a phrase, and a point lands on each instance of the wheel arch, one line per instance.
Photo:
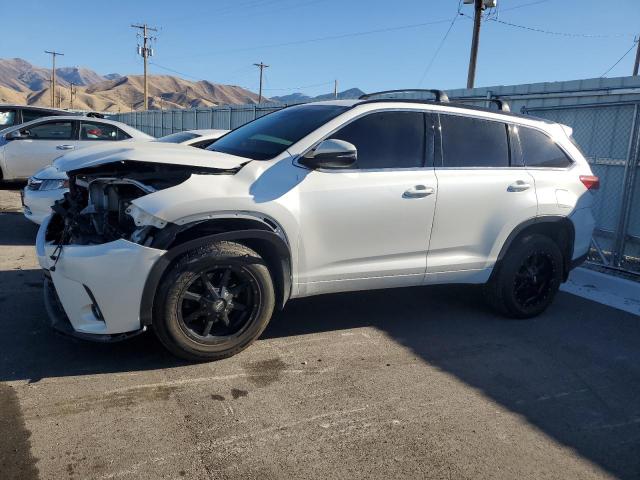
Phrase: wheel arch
(266, 239)
(560, 229)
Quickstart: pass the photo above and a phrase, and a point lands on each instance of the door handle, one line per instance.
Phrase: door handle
(519, 186)
(419, 191)
(65, 147)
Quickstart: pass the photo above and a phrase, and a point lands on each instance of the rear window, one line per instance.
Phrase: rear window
(178, 137)
(539, 150)
(29, 114)
(269, 136)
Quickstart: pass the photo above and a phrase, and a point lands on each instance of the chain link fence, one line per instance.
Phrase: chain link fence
(164, 122)
(607, 132)
(608, 136)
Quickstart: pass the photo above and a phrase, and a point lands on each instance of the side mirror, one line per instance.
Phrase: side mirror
(15, 135)
(331, 154)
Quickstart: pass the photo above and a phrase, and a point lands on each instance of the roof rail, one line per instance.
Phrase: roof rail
(440, 95)
(501, 104)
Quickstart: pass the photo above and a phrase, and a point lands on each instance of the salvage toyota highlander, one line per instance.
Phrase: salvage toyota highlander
(337, 196)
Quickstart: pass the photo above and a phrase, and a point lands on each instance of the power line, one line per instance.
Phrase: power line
(521, 6)
(321, 39)
(444, 38)
(303, 86)
(560, 34)
(620, 59)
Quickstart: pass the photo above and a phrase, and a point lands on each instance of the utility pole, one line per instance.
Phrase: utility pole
(335, 89)
(53, 75)
(637, 63)
(261, 66)
(145, 52)
(479, 6)
(72, 92)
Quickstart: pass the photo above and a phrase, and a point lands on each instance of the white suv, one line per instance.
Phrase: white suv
(311, 199)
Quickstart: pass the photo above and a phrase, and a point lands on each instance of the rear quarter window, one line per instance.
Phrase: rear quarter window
(539, 150)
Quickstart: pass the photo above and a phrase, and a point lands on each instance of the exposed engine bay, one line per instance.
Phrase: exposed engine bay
(97, 209)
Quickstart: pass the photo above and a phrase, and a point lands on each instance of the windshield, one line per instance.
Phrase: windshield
(269, 136)
(178, 137)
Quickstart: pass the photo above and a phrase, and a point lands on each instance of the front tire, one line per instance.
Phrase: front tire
(527, 280)
(214, 302)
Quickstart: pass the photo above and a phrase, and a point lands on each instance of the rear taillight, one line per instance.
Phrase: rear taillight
(590, 181)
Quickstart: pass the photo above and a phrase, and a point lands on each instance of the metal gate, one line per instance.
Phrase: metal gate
(608, 136)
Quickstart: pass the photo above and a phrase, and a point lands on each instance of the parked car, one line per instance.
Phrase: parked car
(311, 199)
(195, 138)
(11, 115)
(49, 184)
(26, 148)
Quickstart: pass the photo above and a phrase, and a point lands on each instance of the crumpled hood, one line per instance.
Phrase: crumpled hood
(151, 152)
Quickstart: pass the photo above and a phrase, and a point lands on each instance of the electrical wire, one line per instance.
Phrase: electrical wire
(549, 32)
(621, 58)
(521, 6)
(321, 39)
(440, 45)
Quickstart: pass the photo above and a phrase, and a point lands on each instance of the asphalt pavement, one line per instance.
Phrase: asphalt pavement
(405, 383)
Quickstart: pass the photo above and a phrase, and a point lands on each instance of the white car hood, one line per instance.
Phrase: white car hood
(150, 152)
(50, 173)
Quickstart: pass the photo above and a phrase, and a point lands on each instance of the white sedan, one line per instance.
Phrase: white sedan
(26, 148)
(48, 185)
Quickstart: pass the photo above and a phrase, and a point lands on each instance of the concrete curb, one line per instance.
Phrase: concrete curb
(608, 290)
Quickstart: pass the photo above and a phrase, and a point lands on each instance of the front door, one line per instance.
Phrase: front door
(43, 143)
(369, 226)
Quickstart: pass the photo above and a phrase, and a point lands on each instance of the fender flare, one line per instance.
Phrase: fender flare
(282, 278)
(545, 219)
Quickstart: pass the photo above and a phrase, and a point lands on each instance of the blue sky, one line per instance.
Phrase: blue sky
(220, 40)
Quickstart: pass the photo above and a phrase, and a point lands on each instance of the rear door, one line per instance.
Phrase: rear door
(44, 142)
(483, 194)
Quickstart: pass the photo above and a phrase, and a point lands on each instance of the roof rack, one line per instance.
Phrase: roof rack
(440, 95)
(501, 104)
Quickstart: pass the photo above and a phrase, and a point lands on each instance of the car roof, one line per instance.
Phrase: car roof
(32, 107)
(439, 106)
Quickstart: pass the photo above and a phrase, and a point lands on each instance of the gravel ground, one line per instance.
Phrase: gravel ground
(408, 383)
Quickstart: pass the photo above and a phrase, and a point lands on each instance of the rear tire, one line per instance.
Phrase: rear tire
(528, 278)
(214, 302)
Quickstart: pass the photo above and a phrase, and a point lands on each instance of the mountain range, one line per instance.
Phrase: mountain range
(24, 83)
(352, 93)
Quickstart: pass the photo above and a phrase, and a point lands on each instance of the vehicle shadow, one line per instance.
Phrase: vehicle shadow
(16, 230)
(573, 372)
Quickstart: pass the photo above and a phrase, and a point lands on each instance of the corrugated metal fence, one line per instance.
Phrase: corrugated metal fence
(604, 114)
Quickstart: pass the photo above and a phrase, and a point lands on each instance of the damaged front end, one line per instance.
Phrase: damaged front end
(97, 247)
(98, 207)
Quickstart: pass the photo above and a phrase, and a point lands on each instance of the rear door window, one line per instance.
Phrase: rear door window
(393, 139)
(98, 131)
(7, 117)
(539, 150)
(473, 142)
